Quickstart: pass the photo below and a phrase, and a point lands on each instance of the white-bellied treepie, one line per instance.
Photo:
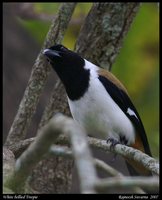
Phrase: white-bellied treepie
(99, 102)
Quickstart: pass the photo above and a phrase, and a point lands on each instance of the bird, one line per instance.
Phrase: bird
(99, 103)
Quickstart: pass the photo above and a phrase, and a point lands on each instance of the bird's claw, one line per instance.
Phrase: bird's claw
(113, 141)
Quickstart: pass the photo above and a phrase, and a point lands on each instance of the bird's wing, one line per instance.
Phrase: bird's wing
(119, 95)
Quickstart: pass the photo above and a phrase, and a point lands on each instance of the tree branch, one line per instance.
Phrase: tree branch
(38, 76)
(104, 38)
(125, 151)
(83, 159)
(128, 152)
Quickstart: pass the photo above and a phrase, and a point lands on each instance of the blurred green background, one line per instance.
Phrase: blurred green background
(137, 65)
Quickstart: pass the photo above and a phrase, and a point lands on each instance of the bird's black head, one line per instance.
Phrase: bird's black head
(60, 56)
(70, 68)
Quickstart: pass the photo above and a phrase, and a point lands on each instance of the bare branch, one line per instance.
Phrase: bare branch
(38, 76)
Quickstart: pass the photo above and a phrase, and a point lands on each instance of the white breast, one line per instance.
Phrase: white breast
(99, 114)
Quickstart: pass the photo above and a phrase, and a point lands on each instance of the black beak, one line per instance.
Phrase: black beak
(51, 54)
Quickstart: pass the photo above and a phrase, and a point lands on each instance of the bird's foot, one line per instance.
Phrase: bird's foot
(114, 142)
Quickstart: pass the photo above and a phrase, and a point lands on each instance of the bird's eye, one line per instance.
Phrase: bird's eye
(63, 48)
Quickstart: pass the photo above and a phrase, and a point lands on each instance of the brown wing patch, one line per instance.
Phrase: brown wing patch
(112, 78)
(138, 143)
